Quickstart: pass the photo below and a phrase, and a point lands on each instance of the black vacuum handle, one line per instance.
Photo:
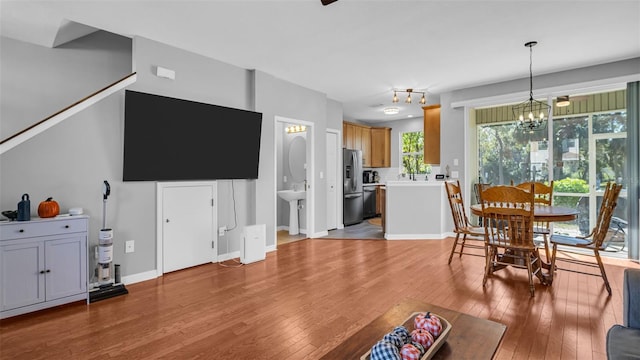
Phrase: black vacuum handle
(106, 190)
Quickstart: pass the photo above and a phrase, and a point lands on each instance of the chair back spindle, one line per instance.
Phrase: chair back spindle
(609, 202)
(461, 223)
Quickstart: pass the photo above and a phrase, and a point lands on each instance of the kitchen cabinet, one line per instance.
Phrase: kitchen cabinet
(374, 142)
(431, 134)
(380, 147)
(366, 147)
(358, 137)
(43, 263)
(348, 135)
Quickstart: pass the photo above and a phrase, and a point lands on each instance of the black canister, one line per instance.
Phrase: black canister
(24, 208)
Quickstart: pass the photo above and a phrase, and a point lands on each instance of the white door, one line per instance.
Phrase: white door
(188, 236)
(332, 173)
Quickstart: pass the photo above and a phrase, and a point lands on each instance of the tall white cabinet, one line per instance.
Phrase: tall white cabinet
(43, 263)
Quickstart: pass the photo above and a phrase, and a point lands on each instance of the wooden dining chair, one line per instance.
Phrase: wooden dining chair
(508, 223)
(461, 223)
(593, 241)
(542, 196)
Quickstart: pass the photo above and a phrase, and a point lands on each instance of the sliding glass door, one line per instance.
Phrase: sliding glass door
(579, 152)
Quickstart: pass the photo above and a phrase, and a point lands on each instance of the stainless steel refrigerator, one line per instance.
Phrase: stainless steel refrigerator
(353, 204)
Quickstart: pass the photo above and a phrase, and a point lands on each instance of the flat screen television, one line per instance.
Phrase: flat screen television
(168, 139)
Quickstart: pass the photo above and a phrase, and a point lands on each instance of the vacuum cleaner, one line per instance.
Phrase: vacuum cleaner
(107, 286)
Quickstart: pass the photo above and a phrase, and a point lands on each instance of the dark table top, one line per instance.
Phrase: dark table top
(470, 337)
(542, 212)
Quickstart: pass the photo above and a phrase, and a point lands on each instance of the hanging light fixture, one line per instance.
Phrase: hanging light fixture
(423, 99)
(531, 115)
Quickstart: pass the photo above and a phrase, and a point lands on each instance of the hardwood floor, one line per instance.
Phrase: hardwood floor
(309, 295)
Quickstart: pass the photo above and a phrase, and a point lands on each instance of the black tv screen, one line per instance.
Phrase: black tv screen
(168, 139)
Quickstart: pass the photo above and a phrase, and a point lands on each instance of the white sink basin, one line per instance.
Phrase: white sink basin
(292, 195)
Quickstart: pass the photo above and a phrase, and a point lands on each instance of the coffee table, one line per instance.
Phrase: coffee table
(470, 337)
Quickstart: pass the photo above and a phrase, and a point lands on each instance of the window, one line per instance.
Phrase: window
(506, 154)
(413, 153)
(586, 149)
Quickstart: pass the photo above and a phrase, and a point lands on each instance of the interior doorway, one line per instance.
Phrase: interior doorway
(293, 154)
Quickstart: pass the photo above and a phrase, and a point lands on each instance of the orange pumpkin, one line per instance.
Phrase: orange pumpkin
(48, 208)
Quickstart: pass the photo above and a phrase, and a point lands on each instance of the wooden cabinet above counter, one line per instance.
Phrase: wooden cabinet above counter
(431, 134)
(375, 143)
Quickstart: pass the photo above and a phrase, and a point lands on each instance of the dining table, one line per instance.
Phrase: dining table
(543, 213)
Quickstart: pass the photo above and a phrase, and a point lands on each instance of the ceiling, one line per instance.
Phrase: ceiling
(356, 51)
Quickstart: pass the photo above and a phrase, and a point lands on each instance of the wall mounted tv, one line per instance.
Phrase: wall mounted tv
(168, 139)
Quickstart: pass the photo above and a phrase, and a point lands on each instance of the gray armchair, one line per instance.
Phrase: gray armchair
(623, 342)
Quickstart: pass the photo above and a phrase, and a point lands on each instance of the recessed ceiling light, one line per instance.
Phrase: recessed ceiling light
(409, 115)
(390, 110)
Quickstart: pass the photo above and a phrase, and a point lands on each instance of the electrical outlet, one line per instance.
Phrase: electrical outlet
(222, 230)
(129, 246)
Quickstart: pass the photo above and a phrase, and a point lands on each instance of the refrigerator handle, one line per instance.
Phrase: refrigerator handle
(354, 159)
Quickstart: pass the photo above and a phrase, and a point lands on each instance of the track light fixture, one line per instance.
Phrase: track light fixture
(531, 114)
(423, 99)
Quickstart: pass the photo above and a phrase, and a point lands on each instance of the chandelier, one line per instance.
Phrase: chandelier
(532, 114)
(423, 99)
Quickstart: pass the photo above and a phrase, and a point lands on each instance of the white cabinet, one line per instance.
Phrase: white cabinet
(43, 263)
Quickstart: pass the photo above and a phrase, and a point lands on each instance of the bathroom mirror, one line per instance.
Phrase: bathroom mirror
(298, 158)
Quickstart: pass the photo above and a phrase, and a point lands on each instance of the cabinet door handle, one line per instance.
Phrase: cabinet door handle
(66, 226)
(48, 270)
(167, 220)
(41, 271)
(21, 230)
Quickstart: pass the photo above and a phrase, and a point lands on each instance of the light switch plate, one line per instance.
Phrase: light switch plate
(129, 246)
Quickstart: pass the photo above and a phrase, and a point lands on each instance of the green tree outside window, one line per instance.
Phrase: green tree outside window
(413, 153)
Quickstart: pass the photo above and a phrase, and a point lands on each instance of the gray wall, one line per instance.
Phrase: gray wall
(276, 97)
(70, 161)
(206, 80)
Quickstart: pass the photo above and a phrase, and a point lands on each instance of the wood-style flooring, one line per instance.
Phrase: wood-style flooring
(308, 296)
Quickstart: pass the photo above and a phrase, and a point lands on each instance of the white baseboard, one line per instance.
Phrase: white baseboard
(415, 237)
(286, 228)
(318, 234)
(228, 256)
(152, 274)
(135, 278)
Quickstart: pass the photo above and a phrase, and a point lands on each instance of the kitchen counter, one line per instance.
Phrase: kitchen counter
(417, 210)
(415, 183)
